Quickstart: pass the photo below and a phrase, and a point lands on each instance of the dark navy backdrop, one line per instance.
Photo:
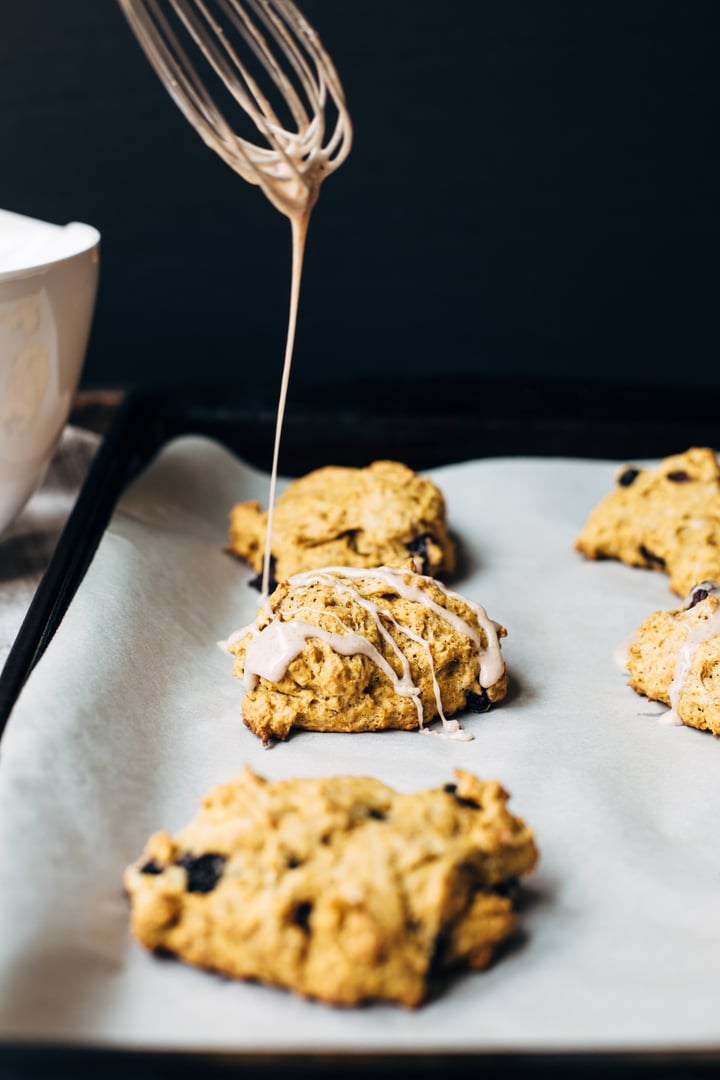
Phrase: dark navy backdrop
(533, 189)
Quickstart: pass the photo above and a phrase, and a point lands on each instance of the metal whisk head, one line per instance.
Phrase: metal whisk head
(265, 57)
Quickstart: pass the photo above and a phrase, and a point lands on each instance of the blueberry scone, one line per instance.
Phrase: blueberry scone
(340, 888)
(348, 517)
(666, 519)
(675, 658)
(343, 649)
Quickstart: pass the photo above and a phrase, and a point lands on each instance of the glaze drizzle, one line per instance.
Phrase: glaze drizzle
(270, 651)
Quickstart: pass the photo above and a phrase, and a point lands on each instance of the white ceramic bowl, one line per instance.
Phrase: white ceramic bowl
(48, 282)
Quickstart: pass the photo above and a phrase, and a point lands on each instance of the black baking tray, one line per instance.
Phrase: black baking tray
(424, 423)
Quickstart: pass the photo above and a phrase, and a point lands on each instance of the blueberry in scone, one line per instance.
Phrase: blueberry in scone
(667, 518)
(340, 516)
(339, 888)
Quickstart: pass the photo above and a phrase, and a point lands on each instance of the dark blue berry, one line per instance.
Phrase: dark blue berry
(626, 478)
(203, 871)
(151, 867)
(478, 702)
(451, 789)
(301, 915)
(376, 815)
(650, 557)
(679, 477)
(696, 596)
(701, 592)
(470, 803)
(419, 547)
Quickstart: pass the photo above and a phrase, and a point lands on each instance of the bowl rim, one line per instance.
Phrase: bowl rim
(86, 244)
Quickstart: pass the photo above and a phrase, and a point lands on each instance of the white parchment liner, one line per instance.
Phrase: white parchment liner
(132, 715)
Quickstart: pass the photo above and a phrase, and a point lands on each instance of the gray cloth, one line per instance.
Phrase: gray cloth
(27, 545)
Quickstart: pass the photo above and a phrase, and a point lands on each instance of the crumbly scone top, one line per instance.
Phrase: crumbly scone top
(666, 518)
(351, 517)
(423, 638)
(339, 887)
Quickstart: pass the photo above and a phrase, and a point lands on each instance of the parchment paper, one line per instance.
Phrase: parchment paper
(132, 715)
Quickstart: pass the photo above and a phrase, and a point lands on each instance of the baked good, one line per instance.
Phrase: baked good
(345, 649)
(666, 518)
(348, 517)
(675, 658)
(338, 888)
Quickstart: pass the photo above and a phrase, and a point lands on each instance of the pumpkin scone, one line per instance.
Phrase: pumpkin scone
(339, 889)
(344, 649)
(675, 658)
(339, 516)
(666, 518)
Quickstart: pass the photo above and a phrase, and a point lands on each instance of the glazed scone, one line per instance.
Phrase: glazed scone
(675, 658)
(665, 519)
(348, 517)
(339, 888)
(342, 649)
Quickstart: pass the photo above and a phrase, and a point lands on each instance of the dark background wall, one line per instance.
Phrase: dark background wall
(533, 188)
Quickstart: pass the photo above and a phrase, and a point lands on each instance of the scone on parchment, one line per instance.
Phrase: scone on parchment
(340, 888)
(345, 649)
(665, 519)
(340, 516)
(675, 658)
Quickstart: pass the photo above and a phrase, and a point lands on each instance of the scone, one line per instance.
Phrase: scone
(340, 888)
(666, 519)
(675, 658)
(342, 649)
(348, 517)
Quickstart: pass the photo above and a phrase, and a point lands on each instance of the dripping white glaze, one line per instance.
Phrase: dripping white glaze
(492, 665)
(290, 176)
(694, 638)
(299, 225)
(291, 181)
(271, 650)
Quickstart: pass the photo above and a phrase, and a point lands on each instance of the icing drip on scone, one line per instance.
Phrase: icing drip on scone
(695, 637)
(491, 661)
(270, 651)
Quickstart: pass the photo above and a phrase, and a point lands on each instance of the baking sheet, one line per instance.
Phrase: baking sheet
(132, 715)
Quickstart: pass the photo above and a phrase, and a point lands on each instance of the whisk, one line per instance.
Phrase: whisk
(273, 36)
(293, 158)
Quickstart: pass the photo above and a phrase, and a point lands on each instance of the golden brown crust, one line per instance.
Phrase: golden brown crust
(663, 519)
(338, 888)
(348, 517)
(668, 643)
(324, 691)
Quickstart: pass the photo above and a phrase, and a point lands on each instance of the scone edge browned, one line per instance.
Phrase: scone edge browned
(343, 516)
(667, 518)
(337, 888)
(322, 690)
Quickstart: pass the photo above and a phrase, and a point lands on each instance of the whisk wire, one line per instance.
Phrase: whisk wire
(293, 160)
(224, 60)
(171, 62)
(258, 43)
